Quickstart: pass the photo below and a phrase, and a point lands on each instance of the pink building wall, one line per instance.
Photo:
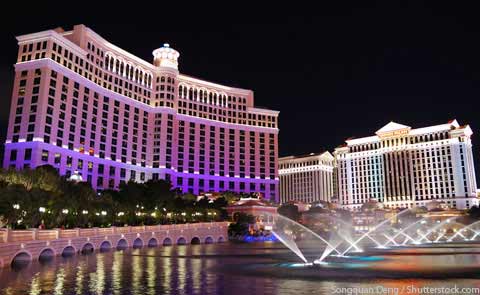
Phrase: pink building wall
(80, 103)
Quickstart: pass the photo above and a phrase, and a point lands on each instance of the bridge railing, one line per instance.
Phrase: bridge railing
(9, 235)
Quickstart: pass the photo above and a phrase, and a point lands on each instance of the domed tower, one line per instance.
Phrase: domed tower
(166, 61)
(166, 57)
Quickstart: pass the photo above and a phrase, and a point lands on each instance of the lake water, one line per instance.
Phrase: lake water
(259, 268)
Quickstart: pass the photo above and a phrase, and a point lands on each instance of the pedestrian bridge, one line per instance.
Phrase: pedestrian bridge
(22, 246)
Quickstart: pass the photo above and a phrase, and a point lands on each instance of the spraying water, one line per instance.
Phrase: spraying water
(290, 243)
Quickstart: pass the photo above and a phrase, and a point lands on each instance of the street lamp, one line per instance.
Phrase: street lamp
(16, 206)
(65, 211)
(104, 213)
(84, 212)
(41, 209)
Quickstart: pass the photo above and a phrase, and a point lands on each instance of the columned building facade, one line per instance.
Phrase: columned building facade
(86, 106)
(403, 167)
(306, 178)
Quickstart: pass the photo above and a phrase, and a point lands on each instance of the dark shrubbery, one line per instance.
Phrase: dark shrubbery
(30, 198)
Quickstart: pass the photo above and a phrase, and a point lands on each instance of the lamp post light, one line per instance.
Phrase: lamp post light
(16, 206)
(65, 211)
(41, 209)
(104, 213)
(84, 212)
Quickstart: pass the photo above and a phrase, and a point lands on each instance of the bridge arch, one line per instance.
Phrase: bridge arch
(69, 251)
(137, 243)
(46, 254)
(87, 248)
(195, 241)
(105, 246)
(181, 241)
(21, 258)
(167, 242)
(152, 243)
(220, 239)
(122, 244)
(209, 240)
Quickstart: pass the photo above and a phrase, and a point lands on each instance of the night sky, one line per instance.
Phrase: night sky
(332, 71)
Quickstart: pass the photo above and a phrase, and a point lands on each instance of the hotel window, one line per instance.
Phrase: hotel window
(100, 181)
(44, 155)
(28, 154)
(58, 158)
(13, 155)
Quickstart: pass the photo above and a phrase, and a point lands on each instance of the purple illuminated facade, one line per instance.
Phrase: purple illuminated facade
(84, 105)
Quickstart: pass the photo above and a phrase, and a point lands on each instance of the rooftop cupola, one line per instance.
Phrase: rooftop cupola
(166, 57)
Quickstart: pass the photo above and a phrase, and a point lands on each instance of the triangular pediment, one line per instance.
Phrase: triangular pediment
(327, 155)
(392, 127)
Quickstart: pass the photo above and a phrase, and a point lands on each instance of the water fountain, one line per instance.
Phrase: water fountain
(384, 236)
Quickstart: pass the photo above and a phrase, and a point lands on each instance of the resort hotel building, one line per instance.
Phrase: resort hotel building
(308, 178)
(402, 167)
(89, 108)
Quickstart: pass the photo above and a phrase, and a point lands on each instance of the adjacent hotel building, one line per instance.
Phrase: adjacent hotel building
(308, 178)
(86, 106)
(404, 167)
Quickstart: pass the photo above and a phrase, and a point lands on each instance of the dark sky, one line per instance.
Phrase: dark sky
(333, 71)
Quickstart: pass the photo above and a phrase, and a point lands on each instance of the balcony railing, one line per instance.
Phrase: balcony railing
(12, 236)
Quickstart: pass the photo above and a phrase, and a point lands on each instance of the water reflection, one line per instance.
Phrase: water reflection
(35, 286)
(79, 277)
(151, 272)
(210, 269)
(117, 270)
(166, 264)
(59, 281)
(137, 272)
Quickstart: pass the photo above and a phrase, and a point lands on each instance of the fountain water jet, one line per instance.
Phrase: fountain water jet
(433, 229)
(374, 229)
(466, 227)
(291, 245)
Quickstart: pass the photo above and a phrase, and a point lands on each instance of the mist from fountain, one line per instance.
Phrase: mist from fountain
(375, 228)
(286, 228)
(290, 243)
(444, 232)
(403, 232)
(282, 222)
(433, 229)
(464, 228)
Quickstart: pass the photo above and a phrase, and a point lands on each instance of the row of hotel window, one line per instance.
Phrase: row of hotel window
(140, 94)
(61, 115)
(133, 174)
(400, 141)
(76, 63)
(74, 102)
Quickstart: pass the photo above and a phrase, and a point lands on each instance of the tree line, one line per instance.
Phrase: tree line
(40, 197)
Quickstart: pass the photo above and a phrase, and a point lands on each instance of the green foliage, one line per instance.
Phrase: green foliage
(241, 225)
(29, 198)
